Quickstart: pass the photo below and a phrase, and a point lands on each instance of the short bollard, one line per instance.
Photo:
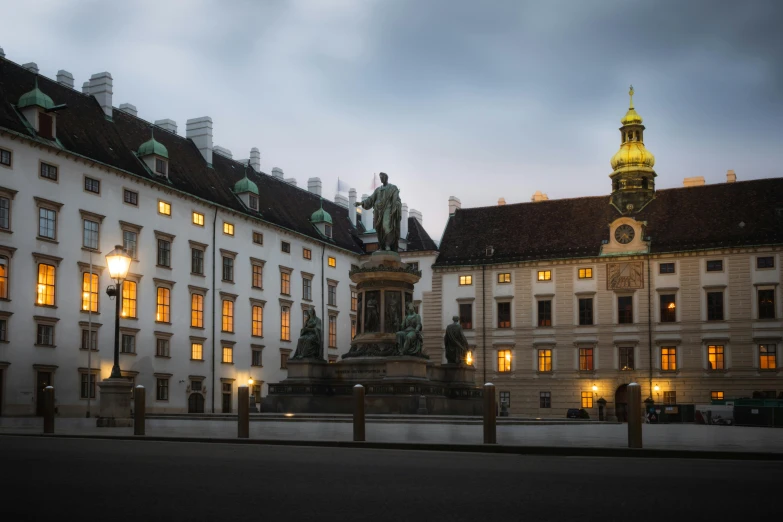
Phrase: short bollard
(490, 422)
(243, 428)
(139, 405)
(49, 409)
(634, 415)
(358, 413)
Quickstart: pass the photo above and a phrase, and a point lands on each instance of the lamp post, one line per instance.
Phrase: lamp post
(119, 262)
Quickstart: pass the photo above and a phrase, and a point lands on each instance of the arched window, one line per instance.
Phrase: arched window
(615, 185)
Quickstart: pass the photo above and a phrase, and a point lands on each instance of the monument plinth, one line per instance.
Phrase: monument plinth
(114, 409)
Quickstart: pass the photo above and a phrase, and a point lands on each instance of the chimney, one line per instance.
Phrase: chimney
(101, 88)
(454, 204)
(501, 201)
(404, 222)
(731, 177)
(695, 181)
(199, 131)
(417, 215)
(65, 78)
(217, 149)
(352, 207)
(366, 215)
(291, 181)
(129, 108)
(314, 185)
(32, 66)
(255, 159)
(340, 200)
(277, 172)
(2, 53)
(167, 124)
(86, 88)
(539, 196)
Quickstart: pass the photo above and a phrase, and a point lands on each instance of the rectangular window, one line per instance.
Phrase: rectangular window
(5, 157)
(163, 302)
(197, 261)
(354, 300)
(307, 289)
(3, 277)
(715, 306)
(466, 316)
(197, 351)
(765, 262)
(129, 299)
(668, 308)
(332, 295)
(129, 242)
(504, 360)
(257, 321)
(89, 292)
(716, 395)
(198, 219)
(586, 359)
(258, 238)
(715, 358)
(766, 303)
(256, 357)
(544, 275)
(162, 347)
(5, 213)
(307, 253)
(285, 323)
(626, 358)
(90, 236)
(162, 389)
(46, 285)
(585, 273)
(504, 278)
(4, 330)
(353, 328)
(285, 283)
(332, 262)
(328, 230)
(258, 276)
(504, 315)
(228, 316)
(669, 359)
(283, 361)
(92, 185)
(768, 357)
(285, 246)
(545, 313)
(89, 340)
(196, 310)
(45, 335)
(253, 200)
(587, 399)
(48, 171)
(586, 311)
(666, 268)
(130, 197)
(228, 355)
(128, 344)
(465, 280)
(160, 166)
(414, 265)
(544, 360)
(47, 223)
(88, 386)
(164, 208)
(669, 397)
(332, 331)
(545, 400)
(45, 125)
(715, 266)
(228, 228)
(228, 269)
(164, 253)
(625, 309)
(505, 397)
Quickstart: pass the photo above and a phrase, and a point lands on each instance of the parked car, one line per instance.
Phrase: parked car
(574, 413)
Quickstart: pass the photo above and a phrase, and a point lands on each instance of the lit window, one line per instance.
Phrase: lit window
(130, 197)
(163, 313)
(504, 278)
(586, 359)
(768, 357)
(465, 280)
(587, 399)
(285, 323)
(197, 310)
(669, 359)
(307, 289)
(544, 360)
(162, 348)
(332, 262)
(585, 273)
(3, 278)
(354, 301)
(258, 238)
(198, 219)
(670, 397)
(258, 322)
(716, 395)
(45, 335)
(332, 331)
(197, 351)
(668, 308)
(162, 389)
(353, 328)
(504, 360)
(46, 285)
(228, 316)
(257, 276)
(307, 253)
(332, 295)
(47, 223)
(544, 275)
(48, 171)
(129, 299)
(285, 283)
(228, 228)
(90, 292)
(164, 208)
(715, 357)
(228, 354)
(92, 185)
(90, 236)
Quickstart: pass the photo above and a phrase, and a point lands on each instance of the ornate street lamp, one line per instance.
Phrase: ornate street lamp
(119, 262)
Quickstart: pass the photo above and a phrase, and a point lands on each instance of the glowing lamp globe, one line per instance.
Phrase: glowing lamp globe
(119, 262)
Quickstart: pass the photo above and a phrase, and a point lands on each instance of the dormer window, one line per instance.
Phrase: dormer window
(161, 167)
(45, 126)
(38, 109)
(328, 230)
(155, 156)
(253, 202)
(322, 221)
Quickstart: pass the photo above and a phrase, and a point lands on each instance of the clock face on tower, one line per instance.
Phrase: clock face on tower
(624, 234)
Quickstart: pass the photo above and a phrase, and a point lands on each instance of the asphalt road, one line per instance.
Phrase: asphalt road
(83, 479)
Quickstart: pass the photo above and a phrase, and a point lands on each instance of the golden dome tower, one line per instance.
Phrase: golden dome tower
(633, 177)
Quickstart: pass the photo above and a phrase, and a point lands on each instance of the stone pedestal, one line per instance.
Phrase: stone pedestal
(115, 403)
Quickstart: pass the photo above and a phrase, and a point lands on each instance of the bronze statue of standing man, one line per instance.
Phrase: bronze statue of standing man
(387, 211)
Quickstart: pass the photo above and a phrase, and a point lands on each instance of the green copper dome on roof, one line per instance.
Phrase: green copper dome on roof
(153, 147)
(35, 98)
(320, 215)
(245, 185)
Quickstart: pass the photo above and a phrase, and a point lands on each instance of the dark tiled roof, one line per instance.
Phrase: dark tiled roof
(678, 220)
(418, 239)
(83, 129)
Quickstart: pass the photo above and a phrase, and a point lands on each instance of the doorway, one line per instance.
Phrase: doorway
(43, 379)
(196, 403)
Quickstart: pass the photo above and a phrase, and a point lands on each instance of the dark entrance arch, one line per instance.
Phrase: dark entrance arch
(621, 403)
(196, 403)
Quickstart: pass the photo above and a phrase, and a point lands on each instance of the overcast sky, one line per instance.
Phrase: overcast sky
(475, 99)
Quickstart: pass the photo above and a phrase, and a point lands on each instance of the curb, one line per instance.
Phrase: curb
(552, 451)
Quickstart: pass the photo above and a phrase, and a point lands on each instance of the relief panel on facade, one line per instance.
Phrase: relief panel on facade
(627, 275)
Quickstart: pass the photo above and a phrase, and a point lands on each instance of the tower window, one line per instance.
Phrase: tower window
(644, 183)
(615, 185)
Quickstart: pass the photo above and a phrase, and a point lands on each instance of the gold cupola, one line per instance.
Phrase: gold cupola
(633, 177)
